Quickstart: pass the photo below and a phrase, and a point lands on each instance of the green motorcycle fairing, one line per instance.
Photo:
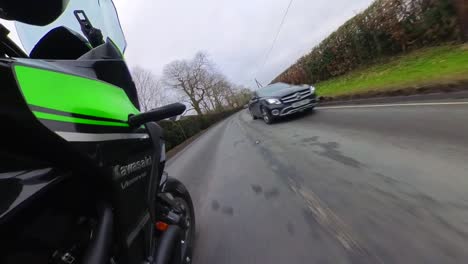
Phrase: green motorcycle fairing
(74, 99)
(69, 99)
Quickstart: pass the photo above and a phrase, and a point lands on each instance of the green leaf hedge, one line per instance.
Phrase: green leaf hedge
(385, 28)
(176, 132)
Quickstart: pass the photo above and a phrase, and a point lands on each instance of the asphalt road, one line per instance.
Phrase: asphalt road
(377, 184)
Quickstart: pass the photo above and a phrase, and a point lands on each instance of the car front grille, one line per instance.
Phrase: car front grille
(297, 96)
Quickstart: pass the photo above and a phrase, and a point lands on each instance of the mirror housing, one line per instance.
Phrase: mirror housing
(156, 114)
(33, 12)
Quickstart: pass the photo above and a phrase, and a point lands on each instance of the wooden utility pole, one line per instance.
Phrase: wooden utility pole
(461, 7)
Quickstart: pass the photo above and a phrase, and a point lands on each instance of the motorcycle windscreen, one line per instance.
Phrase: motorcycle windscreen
(101, 13)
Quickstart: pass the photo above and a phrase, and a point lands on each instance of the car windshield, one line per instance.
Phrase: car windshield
(101, 13)
(272, 88)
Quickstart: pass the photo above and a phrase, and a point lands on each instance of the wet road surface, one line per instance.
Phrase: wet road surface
(385, 184)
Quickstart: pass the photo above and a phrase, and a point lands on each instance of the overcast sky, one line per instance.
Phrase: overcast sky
(236, 34)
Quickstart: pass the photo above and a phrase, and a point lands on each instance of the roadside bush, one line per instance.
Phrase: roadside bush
(177, 132)
(385, 28)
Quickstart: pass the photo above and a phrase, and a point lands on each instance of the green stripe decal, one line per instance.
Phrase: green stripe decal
(70, 119)
(73, 94)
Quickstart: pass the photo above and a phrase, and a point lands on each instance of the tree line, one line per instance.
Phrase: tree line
(195, 82)
(385, 28)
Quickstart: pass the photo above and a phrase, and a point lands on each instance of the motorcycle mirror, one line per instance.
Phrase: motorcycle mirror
(174, 118)
(94, 35)
(156, 114)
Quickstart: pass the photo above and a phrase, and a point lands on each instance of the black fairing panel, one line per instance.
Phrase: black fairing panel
(39, 213)
(134, 183)
(105, 51)
(129, 189)
(19, 188)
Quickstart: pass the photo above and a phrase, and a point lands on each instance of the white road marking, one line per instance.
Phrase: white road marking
(392, 105)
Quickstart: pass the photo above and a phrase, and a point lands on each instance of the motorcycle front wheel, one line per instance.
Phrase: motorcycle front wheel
(184, 201)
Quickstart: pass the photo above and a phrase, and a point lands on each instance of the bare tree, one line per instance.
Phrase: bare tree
(188, 77)
(217, 88)
(239, 96)
(150, 90)
(201, 84)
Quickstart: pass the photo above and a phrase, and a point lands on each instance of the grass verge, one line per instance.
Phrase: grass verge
(430, 66)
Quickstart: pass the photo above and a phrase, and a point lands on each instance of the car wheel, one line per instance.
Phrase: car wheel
(253, 116)
(267, 116)
(309, 110)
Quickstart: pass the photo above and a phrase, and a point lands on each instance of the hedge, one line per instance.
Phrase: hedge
(385, 28)
(177, 132)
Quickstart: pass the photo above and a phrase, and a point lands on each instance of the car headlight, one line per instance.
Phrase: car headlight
(273, 101)
(312, 89)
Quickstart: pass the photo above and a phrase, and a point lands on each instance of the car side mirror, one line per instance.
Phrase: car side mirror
(254, 99)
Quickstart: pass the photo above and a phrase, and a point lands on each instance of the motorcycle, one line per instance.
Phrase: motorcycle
(82, 169)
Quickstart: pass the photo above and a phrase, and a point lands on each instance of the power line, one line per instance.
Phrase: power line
(275, 39)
